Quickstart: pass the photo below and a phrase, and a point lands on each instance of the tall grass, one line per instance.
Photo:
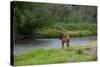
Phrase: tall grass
(74, 29)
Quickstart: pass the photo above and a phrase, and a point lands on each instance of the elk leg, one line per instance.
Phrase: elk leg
(68, 43)
(62, 44)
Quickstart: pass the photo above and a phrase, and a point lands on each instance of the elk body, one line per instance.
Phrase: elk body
(65, 38)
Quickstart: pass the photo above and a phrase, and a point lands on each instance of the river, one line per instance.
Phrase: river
(50, 43)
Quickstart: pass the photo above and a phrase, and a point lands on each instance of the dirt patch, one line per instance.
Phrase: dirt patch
(90, 51)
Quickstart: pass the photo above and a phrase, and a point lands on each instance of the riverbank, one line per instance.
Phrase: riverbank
(49, 56)
(73, 29)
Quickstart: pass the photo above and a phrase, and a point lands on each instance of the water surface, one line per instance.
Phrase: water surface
(49, 43)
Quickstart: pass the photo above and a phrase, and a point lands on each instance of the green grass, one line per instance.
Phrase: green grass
(74, 29)
(49, 56)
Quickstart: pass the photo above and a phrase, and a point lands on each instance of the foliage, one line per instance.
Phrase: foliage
(28, 16)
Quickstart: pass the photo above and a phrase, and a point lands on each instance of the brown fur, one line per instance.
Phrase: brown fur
(65, 38)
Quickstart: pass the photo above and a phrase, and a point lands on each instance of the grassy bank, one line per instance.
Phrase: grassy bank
(73, 29)
(49, 56)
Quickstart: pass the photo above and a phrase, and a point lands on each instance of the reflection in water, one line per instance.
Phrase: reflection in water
(50, 43)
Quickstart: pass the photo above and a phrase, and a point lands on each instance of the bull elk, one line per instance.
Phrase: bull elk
(65, 38)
